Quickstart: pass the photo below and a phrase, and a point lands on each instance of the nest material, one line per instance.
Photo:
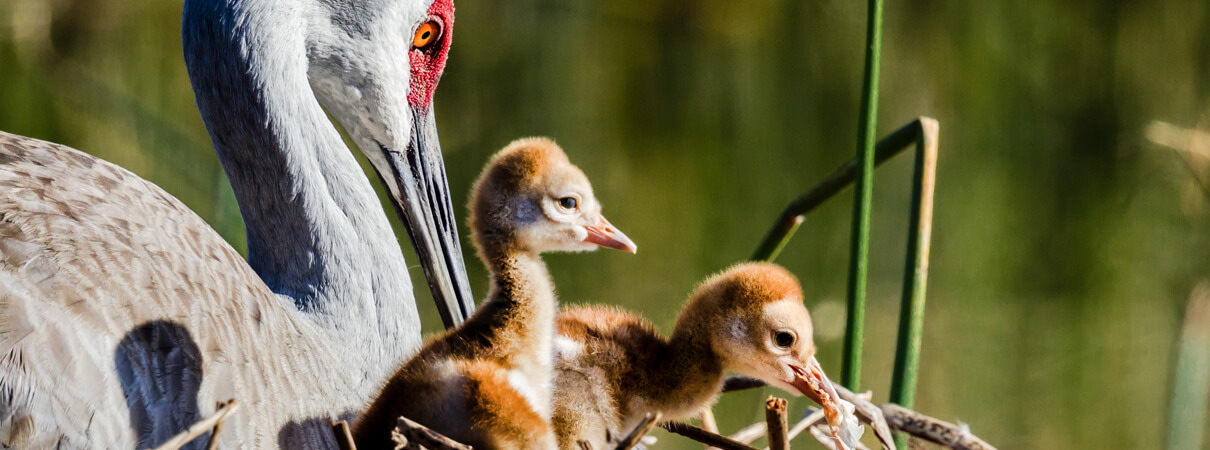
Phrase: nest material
(883, 419)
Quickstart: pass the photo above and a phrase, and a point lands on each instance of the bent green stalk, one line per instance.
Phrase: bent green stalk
(915, 273)
(778, 236)
(923, 134)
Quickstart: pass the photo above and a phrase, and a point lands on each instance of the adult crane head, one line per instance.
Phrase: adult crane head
(373, 65)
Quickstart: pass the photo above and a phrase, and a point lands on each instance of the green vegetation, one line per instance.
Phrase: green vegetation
(1064, 244)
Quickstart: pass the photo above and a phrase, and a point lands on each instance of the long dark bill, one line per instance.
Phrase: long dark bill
(428, 216)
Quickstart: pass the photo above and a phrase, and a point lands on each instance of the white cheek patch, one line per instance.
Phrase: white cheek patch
(785, 362)
(579, 233)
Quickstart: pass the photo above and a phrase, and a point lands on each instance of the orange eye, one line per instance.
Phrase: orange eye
(426, 34)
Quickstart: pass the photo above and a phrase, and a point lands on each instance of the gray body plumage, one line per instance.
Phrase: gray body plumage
(124, 317)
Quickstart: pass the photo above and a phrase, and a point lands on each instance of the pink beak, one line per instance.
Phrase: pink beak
(814, 384)
(607, 235)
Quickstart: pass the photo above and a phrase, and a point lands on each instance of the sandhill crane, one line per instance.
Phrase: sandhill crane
(487, 383)
(124, 317)
(613, 367)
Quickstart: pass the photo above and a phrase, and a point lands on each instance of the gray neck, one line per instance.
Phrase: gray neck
(317, 234)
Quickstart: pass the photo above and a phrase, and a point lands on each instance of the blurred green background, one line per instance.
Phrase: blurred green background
(1065, 242)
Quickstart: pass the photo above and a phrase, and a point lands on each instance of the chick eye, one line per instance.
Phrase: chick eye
(783, 338)
(568, 202)
(427, 34)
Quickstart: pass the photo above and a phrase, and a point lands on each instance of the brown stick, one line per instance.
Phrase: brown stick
(889, 416)
(755, 431)
(932, 430)
(705, 437)
(344, 436)
(775, 417)
(639, 431)
(200, 428)
(408, 433)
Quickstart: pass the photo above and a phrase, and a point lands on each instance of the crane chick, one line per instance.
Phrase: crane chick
(488, 382)
(613, 367)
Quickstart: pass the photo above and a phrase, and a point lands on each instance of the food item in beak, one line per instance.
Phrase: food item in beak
(814, 384)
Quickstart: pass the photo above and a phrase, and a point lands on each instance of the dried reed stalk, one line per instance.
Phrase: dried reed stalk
(705, 437)
(201, 427)
(775, 417)
(409, 434)
(889, 416)
(751, 433)
(212, 443)
(706, 419)
(806, 422)
(639, 431)
(932, 430)
(344, 436)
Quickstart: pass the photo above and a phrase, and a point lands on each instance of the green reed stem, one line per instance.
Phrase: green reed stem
(850, 374)
(923, 133)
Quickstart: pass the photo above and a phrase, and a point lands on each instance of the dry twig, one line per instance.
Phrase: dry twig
(344, 436)
(809, 420)
(705, 437)
(706, 419)
(933, 430)
(889, 416)
(639, 431)
(212, 443)
(775, 417)
(751, 432)
(409, 434)
(755, 431)
(201, 427)
(824, 437)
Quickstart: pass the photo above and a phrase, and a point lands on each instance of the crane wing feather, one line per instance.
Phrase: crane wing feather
(124, 317)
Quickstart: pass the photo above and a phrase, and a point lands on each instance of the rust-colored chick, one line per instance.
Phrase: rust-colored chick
(613, 367)
(487, 383)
